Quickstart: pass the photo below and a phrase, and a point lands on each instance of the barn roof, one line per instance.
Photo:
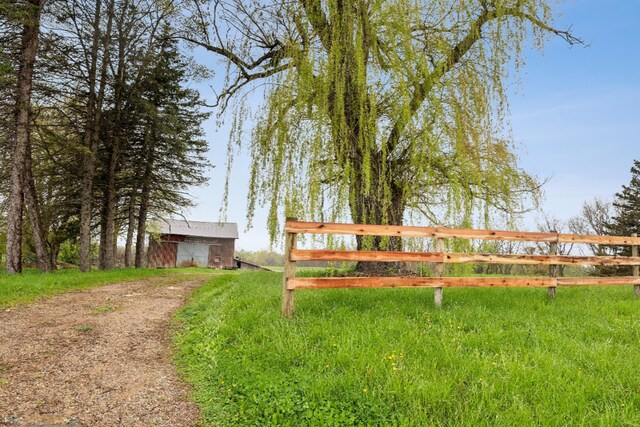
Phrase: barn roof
(223, 230)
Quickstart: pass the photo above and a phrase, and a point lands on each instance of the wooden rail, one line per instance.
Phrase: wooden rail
(455, 233)
(458, 258)
(440, 257)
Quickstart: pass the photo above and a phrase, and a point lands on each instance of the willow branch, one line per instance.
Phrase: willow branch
(456, 54)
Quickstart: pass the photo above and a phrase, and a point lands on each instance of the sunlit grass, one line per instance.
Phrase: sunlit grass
(388, 357)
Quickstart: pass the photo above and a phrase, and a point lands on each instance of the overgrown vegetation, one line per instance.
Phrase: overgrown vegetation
(387, 357)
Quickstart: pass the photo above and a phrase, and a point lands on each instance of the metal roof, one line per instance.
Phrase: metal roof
(223, 230)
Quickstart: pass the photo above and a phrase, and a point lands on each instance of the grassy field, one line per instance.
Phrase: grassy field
(387, 357)
(27, 287)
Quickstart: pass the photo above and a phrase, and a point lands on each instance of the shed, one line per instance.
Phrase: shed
(246, 265)
(184, 243)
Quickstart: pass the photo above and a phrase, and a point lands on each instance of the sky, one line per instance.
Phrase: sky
(575, 117)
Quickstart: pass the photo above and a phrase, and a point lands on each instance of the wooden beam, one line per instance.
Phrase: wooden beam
(288, 274)
(439, 270)
(411, 282)
(599, 240)
(553, 270)
(598, 281)
(460, 258)
(413, 231)
(635, 270)
(539, 259)
(331, 255)
(458, 233)
(455, 282)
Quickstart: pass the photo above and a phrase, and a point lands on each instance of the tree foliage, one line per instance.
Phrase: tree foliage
(626, 221)
(377, 111)
(593, 219)
(626, 218)
(115, 132)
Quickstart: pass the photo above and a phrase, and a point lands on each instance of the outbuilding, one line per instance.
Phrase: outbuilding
(182, 243)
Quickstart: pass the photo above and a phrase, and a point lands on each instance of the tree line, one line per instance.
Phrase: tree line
(99, 129)
(619, 216)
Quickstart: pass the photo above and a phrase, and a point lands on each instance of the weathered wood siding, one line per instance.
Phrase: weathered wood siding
(193, 251)
(162, 254)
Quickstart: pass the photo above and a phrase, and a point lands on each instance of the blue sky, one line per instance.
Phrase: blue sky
(577, 112)
(575, 117)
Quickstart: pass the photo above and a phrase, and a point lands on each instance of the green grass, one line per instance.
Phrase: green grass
(387, 357)
(31, 285)
(102, 309)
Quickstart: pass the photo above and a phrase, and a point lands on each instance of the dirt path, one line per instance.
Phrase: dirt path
(95, 358)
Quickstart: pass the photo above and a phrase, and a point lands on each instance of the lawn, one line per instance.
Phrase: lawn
(27, 287)
(388, 357)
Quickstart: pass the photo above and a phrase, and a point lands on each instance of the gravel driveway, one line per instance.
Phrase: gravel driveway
(96, 358)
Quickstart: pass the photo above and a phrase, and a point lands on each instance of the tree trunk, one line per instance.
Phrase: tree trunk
(33, 209)
(53, 253)
(86, 208)
(375, 197)
(92, 136)
(108, 240)
(145, 196)
(142, 229)
(107, 228)
(29, 49)
(381, 203)
(131, 225)
(90, 143)
(14, 234)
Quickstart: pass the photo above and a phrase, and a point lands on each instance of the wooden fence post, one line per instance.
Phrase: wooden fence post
(553, 270)
(635, 268)
(289, 272)
(437, 292)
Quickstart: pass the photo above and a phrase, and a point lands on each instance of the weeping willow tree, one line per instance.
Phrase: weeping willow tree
(376, 111)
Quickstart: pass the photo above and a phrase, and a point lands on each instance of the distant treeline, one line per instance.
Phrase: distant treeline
(274, 259)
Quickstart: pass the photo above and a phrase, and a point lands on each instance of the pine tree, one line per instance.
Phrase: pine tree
(627, 220)
(627, 204)
(170, 149)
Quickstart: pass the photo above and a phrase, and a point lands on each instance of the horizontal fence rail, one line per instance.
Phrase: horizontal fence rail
(452, 233)
(440, 257)
(454, 282)
(458, 258)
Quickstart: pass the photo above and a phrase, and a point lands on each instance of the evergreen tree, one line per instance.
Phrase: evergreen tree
(627, 218)
(170, 148)
(627, 204)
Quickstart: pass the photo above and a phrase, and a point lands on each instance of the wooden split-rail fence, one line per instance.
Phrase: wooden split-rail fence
(440, 257)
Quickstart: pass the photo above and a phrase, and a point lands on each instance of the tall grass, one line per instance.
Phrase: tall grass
(387, 357)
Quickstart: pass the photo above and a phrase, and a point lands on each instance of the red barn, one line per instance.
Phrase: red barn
(183, 243)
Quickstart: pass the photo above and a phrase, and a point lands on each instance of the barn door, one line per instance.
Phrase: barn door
(191, 255)
(215, 256)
